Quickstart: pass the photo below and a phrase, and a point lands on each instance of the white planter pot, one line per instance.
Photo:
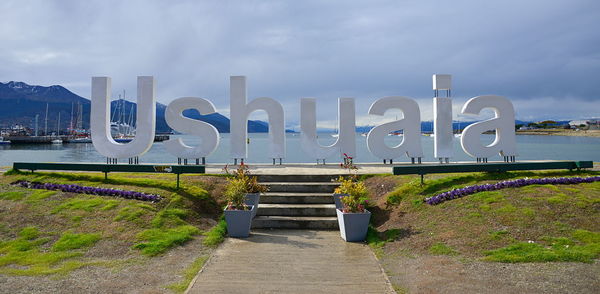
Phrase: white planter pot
(353, 226)
(253, 199)
(337, 200)
(238, 222)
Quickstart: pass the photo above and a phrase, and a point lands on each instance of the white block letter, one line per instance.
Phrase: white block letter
(442, 128)
(100, 119)
(410, 124)
(240, 110)
(345, 143)
(442, 118)
(503, 123)
(208, 134)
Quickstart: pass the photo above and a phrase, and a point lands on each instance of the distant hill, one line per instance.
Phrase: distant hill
(20, 103)
(427, 126)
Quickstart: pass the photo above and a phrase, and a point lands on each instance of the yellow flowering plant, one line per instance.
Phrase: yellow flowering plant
(241, 184)
(356, 198)
(235, 194)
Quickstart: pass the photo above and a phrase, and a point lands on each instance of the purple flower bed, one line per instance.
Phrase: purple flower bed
(468, 190)
(89, 190)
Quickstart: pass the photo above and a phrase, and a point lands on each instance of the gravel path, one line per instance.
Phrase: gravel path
(443, 274)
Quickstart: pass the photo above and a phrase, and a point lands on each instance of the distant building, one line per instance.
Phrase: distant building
(591, 124)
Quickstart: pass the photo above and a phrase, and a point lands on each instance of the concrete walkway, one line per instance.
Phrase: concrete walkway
(304, 168)
(291, 261)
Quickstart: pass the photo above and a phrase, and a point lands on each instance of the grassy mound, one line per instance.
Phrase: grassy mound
(528, 224)
(53, 232)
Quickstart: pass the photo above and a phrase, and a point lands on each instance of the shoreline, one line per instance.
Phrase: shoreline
(558, 132)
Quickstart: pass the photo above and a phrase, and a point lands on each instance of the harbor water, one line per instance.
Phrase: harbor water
(529, 148)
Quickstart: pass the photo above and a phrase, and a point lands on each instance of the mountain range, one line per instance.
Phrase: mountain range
(20, 103)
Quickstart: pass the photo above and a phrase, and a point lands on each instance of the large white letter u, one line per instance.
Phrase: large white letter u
(100, 119)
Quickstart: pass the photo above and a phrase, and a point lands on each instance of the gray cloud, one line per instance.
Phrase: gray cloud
(544, 55)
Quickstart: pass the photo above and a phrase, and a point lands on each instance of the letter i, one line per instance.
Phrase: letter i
(442, 119)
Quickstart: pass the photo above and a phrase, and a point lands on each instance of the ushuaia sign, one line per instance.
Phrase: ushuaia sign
(502, 122)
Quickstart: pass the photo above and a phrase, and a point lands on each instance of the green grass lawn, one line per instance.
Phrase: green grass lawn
(52, 232)
(530, 224)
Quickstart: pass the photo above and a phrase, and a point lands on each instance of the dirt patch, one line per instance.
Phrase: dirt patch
(136, 275)
(111, 249)
(385, 217)
(378, 188)
(443, 274)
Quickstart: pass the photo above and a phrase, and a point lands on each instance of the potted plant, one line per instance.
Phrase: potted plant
(345, 183)
(341, 191)
(353, 218)
(253, 188)
(238, 215)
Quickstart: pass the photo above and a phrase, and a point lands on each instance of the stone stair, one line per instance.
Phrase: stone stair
(297, 202)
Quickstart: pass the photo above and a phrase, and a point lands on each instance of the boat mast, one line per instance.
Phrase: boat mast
(71, 125)
(130, 121)
(79, 124)
(58, 125)
(46, 122)
(122, 119)
(36, 124)
(112, 118)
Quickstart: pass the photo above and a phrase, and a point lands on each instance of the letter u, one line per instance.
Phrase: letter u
(100, 119)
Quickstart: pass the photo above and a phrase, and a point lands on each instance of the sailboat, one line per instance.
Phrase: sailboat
(57, 140)
(77, 134)
(122, 130)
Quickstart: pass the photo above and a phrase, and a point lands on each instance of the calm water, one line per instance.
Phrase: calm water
(529, 148)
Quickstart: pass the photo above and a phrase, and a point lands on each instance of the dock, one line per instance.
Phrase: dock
(65, 139)
(33, 139)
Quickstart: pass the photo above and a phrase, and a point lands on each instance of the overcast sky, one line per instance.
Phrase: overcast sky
(543, 55)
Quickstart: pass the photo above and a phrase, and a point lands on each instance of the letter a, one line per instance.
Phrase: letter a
(410, 124)
(503, 122)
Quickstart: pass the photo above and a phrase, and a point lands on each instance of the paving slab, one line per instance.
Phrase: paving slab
(304, 169)
(291, 261)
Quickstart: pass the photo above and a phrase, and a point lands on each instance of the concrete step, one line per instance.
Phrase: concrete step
(295, 222)
(296, 210)
(303, 187)
(296, 198)
(297, 178)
